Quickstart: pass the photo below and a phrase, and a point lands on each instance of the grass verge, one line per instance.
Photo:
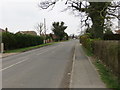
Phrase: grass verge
(106, 75)
(87, 52)
(27, 48)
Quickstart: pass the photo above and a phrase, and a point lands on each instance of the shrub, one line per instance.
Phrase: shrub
(111, 37)
(8, 40)
(87, 42)
(14, 41)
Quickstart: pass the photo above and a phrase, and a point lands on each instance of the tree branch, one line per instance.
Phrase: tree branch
(46, 4)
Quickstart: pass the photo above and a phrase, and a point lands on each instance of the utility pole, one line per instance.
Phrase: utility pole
(119, 17)
(45, 26)
(81, 24)
(45, 30)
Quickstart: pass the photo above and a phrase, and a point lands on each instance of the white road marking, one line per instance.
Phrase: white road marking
(25, 59)
(42, 52)
(73, 65)
(14, 64)
(48, 50)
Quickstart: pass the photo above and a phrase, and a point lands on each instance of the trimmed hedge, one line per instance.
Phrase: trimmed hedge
(87, 42)
(111, 37)
(14, 41)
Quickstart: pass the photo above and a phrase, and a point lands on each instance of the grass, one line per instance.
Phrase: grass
(87, 52)
(108, 78)
(27, 48)
(106, 75)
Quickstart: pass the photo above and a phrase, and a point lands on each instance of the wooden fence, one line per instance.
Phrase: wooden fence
(109, 53)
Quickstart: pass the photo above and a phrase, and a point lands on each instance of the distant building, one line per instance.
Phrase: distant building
(53, 36)
(2, 30)
(28, 32)
(117, 31)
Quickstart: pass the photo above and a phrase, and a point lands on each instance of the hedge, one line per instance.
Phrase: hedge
(111, 37)
(108, 51)
(87, 42)
(14, 41)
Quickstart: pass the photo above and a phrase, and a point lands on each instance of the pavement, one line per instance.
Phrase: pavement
(61, 65)
(84, 73)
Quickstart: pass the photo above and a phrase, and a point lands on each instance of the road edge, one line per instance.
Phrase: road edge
(73, 64)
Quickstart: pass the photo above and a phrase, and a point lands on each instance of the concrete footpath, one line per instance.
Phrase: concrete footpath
(84, 74)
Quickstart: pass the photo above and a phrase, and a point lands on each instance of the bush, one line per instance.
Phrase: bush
(8, 40)
(14, 41)
(87, 42)
(111, 37)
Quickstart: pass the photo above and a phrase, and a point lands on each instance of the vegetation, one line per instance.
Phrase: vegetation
(107, 53)
(111, 37)
(14, 41)
(87, 42)
(96, 12)
(107, 76)
(100, 14)
(27, 48)
(39, 28)
(59, 31)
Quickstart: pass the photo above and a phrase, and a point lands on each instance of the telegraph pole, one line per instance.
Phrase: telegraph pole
(45, 26)
(45, 30)
(81, 24)
(119, 17)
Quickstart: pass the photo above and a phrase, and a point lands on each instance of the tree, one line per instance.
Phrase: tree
(58, 29)
(97, 12)
(107, 27)
(39, 28)
(66, 37)
(108, 31)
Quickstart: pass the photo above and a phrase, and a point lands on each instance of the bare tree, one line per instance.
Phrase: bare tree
(39, 28)
(97, 12)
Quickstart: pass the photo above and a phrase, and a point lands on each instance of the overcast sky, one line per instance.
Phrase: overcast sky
(20, 15)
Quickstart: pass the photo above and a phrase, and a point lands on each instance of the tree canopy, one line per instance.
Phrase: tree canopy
(97, 12)
(59, 30)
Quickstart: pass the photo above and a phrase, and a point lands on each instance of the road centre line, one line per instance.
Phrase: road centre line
(25, 59)
(48, 50)
(14, 64)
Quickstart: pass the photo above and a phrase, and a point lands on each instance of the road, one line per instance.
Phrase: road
(45, 67)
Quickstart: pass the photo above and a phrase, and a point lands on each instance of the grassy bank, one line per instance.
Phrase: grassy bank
(108, 78)
(106, 75)
(27, 48)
